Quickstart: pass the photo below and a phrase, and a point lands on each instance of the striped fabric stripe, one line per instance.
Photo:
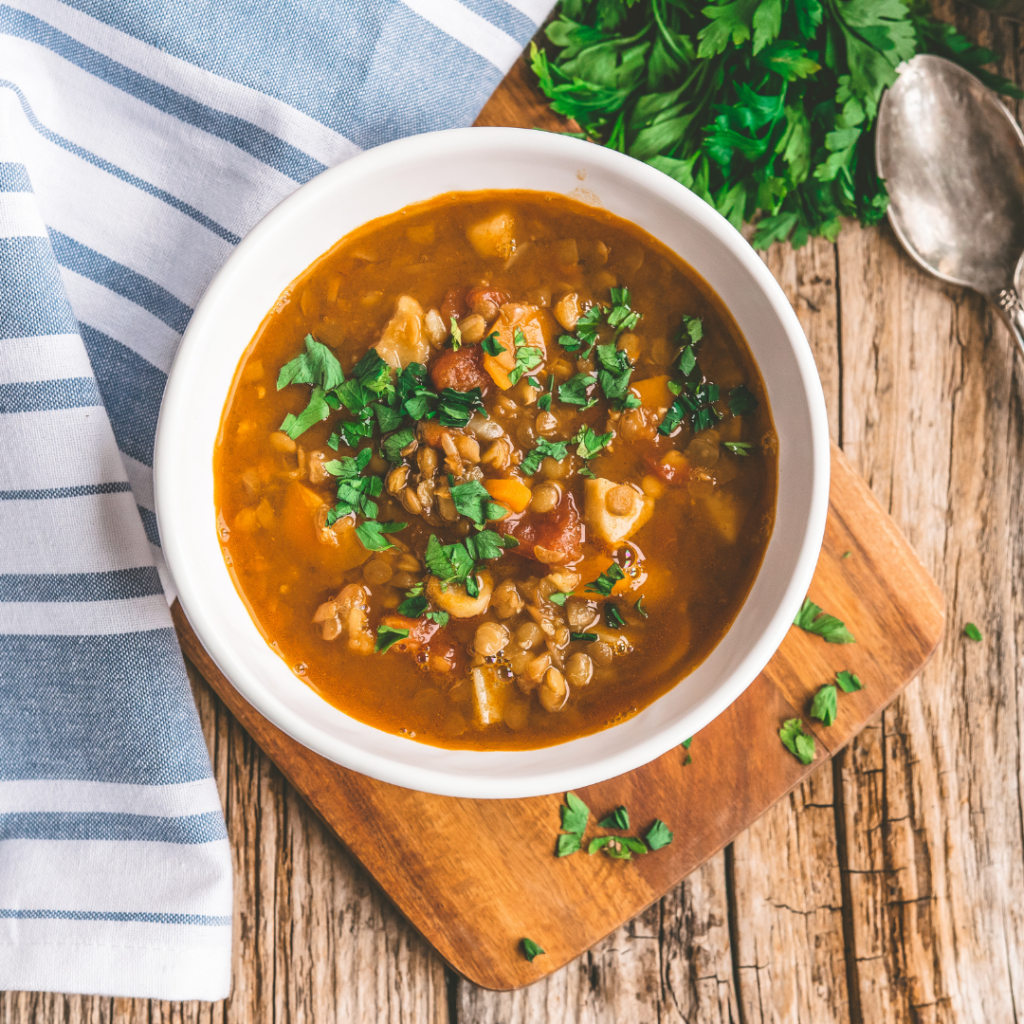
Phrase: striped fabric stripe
(138, 143)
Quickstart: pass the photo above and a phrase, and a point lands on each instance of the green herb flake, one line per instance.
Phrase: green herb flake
(556, 450)
(686, 746)
(619, 818)
(812, 619)
(586, 637)
(568, 844)
(741, 401)
(604, 583)
(845, 555)
(659, 835)
(796, 741)
(491, 345)
(387, 636)
(972, 632)
(528, 357)
(392, 445)
(589, 443)
(576, 390)
(474, 501)
(575, 814)
(456, 334)
(824, 706)
(371, 534)
(560, 598)
(612, 616)
(531, 950)
(739, 447)
(617, 847)
(639, 607)
(848, 682)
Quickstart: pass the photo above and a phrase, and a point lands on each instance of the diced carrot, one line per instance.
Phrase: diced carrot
(336, 548)
(653, 392)
(511, 492)
(499, 373)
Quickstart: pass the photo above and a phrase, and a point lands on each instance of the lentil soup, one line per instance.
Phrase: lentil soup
(497, 471)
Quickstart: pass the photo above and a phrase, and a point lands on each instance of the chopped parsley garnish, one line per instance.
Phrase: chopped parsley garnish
(796, 741)
(612, 616)
(491, 345)
(613, 376)
(387, 636)
(456, 334)
(473, 500)
(317, 366)
(606, 581)
(617, 847)
(619, 818)
(621, 316)
(824, 706)
(355, 492)
(972, 632)
(556, 449)
(456, 563)
(455, 408)
(590, 442)
(589, 637)
(686, 746)
(741, 401)
(559, 598)
(371, 534)
(845, 555)
(692, 328)
(575, 391)
(812, 619)
(848, 682)
(586, 332)
(659, 835)
(639, 607)
(544, 402)
(739, 447)
(528, 357)
(413, 606)
(531, 950)
(392, 445)
(695, 402)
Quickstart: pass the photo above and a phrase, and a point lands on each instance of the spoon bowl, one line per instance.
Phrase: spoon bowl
(952, 159)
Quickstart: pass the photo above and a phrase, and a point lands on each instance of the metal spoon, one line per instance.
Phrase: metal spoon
(952, 159)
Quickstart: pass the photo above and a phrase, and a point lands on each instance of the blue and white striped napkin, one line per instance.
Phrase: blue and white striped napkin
(139, 141)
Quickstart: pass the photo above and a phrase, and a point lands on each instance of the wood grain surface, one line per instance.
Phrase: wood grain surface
(887, 888)
(476, 876)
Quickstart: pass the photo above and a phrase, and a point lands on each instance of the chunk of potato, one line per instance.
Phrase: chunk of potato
(337, 548)
(611, 520)
(490, 695)
(405, 339)
(724, 513)
(531, 320)
(454, 600)
(494, 237)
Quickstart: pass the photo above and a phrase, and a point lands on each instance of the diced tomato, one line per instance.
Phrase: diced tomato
(556, 531)
(671, 466)
(460, 370)
(454, 305)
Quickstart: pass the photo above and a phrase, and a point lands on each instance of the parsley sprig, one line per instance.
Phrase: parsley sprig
(812, 619)
(575, 817)
(765, 109)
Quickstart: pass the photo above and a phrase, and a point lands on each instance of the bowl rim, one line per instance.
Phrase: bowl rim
(187, 577)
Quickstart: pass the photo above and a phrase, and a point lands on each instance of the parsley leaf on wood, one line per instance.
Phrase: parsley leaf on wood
(764, 109)
(619, 818)
(824, 706)
(568, 843)
(575, 814)
(616, 847)
(796, 741)
(659, 835)
(848, 682)
(812, 619)
(531, 949)
(972, 632)
(686, 746)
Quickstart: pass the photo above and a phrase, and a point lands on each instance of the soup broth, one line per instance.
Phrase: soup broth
(497, 471)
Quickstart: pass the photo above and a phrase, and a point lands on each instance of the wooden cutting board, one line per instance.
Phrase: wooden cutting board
(477, 876)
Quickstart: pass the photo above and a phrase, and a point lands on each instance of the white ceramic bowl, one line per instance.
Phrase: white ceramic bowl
(309, 223)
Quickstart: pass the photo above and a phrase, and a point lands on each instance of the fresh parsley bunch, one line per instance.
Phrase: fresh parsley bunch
(765, 108)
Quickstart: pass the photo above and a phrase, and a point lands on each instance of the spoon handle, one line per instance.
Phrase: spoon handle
(1009, 303)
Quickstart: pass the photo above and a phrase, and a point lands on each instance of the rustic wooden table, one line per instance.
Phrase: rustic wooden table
(888, 887)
